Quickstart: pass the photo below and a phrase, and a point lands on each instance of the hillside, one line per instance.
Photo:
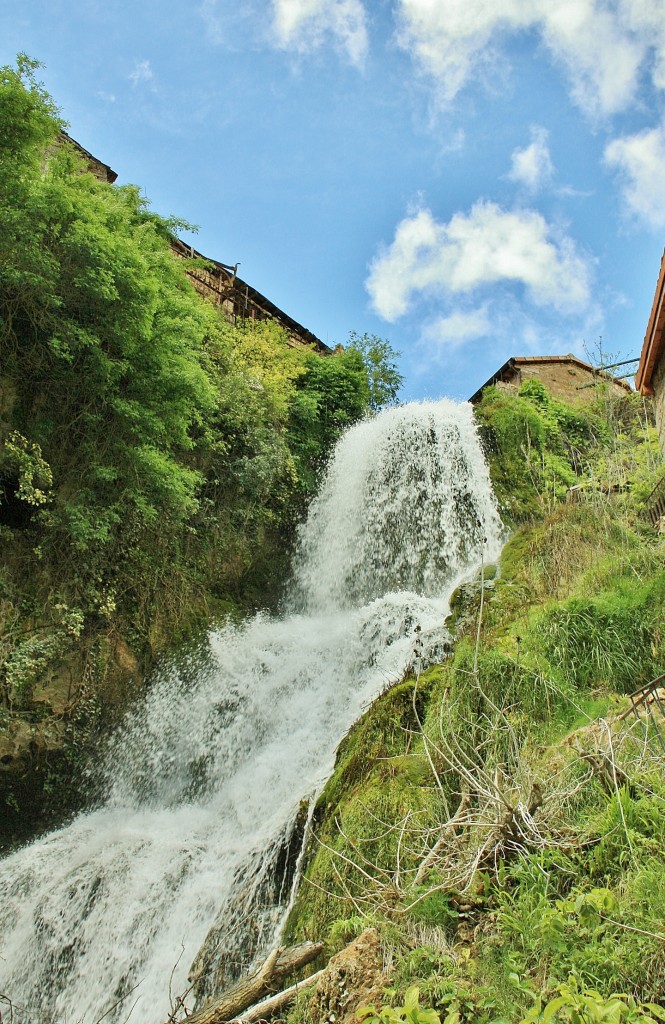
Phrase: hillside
(155, 457)
(498, 820)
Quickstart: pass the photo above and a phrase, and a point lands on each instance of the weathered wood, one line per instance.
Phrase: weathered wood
(267, 1008)
(250, 990)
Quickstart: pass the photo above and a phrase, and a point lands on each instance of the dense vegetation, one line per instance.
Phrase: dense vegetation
(155, 458)
(499, 818)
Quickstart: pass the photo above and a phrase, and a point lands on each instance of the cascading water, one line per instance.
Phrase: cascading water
(204, 782)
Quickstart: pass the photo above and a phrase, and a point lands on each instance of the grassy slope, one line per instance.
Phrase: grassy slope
(550, 877)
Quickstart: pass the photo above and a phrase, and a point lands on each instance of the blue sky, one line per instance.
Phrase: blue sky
(470, 180)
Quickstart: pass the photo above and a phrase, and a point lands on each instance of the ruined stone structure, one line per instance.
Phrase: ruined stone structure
(237, 300)
(650, 377)
(100, 170)
(217, 282)
(566, 377)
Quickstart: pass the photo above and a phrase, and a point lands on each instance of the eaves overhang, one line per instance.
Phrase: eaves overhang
(654, 339)
(512, 365)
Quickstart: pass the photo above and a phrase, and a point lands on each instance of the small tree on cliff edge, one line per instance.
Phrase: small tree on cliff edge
(380, 359)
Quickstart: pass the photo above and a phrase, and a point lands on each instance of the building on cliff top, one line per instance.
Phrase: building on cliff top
(100, 170)
(650, 376)
(237, 300)
(217, 282)
(565, 377)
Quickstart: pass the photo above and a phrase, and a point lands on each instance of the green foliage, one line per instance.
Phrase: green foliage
(29, 121)
(410, 1013)
(614, 637)
(587, 1006)
(537, 447)
(22, 460)
(629, 830)
(332, 394)
(102, 340)
(455, 998)
(380, 360)
(556, 918)
(345, 930)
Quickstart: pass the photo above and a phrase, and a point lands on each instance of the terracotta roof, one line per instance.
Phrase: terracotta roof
(654, 339)
(513, 364)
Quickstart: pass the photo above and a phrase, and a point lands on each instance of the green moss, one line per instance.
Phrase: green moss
(377, 736)
(574, 619)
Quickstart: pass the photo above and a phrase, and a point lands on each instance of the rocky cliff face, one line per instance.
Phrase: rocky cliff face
(46, 743)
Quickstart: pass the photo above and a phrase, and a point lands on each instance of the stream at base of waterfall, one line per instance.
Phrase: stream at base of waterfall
(205, 782)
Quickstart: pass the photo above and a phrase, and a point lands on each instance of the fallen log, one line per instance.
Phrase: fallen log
(267, 1008)
(261, 983)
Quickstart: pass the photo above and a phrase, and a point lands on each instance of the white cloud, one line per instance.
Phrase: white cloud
(645, 17)
(532, 166)
(640, 161)
(450, 41)
(456, 328)
(141, 73)
(211, 20)
(231, 25)
(302, 25)
(602, 45)
(487, 246)
(600, 53)
(506, 325)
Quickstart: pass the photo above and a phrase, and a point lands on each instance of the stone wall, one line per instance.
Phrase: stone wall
(567, 381)
(237, 300)
(97, 167)
(220, 288)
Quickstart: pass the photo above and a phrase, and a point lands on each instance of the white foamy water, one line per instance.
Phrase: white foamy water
(206, 779)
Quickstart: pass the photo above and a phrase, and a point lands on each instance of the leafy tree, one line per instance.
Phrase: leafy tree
(101, 336)
(380, 360)
(333, 393)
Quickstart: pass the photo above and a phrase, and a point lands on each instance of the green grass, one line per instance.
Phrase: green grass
(575, 620)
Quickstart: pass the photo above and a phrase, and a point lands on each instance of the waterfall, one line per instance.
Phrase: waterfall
(205, 782)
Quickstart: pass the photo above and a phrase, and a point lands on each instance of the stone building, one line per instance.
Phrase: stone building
(566, 377)
(100, 170)
(237, 300)
(650, 376)
(217, 282)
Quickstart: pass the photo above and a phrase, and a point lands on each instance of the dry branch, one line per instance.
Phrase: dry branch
(429, 862)
(271, 1006)
(261, 983)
